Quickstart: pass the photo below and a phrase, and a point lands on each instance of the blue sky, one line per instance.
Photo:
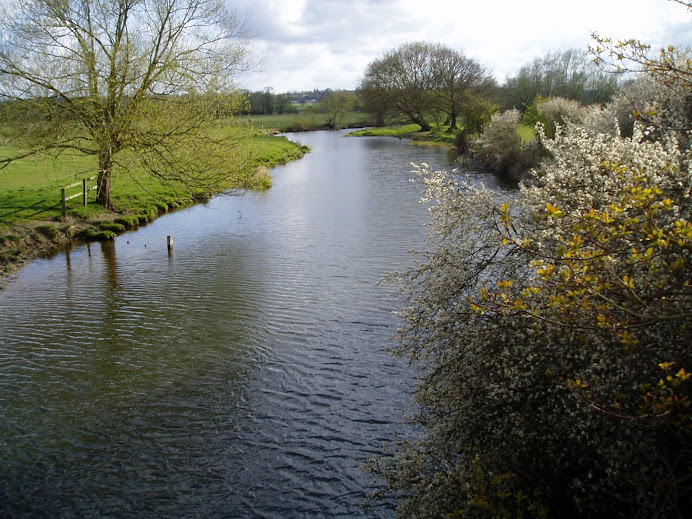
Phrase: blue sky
(308, 44)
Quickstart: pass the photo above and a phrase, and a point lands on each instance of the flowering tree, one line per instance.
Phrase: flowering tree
(554, 331)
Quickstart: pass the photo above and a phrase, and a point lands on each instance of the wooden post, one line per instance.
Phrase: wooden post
(84, 185)
(63, 201)
(170, 243)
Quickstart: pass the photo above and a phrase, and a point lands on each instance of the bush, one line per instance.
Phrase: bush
(553, 112)
(501, 150)
(554, 333)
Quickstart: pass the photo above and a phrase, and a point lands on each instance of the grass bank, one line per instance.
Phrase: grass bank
(31, 220)
(305, 120)
(434, 137)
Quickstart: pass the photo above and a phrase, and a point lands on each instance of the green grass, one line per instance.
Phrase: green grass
(271, 150)
(30, 188)
(434, 137)
(391, 131)
(526, 133)
(304, 120)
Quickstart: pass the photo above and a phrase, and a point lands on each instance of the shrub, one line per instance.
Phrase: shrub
(554, 334)
(501, 150)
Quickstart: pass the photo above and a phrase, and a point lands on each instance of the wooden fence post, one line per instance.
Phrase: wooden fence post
(84, 184)
(63, 201)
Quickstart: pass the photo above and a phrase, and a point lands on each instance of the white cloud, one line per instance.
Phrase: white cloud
(308, 44)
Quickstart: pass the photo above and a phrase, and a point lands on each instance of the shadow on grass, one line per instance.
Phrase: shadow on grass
(14, 210)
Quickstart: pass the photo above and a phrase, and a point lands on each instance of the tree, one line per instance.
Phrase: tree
(130, 82)
(283, 103)
(419, 79)
(401, 82)
(554, 332)
(569, 74)
(267, 102)
(337, 103)
(456, 80)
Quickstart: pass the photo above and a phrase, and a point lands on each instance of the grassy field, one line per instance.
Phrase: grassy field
(31, 221)
(526, 133)
(434, 137)
(30, 188)
(304, 120)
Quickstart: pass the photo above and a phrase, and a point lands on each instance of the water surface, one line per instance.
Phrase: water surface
(244, 375)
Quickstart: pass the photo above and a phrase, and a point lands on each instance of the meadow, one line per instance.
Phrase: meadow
(31, 218)
(30, 187)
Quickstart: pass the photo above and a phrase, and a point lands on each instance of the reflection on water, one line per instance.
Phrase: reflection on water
(242, 375)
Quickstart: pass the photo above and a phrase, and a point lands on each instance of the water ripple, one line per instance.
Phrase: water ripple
(243, 375)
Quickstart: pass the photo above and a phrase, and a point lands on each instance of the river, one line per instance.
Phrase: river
(242, 375)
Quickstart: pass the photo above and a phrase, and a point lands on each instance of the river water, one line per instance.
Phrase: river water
(242, 375)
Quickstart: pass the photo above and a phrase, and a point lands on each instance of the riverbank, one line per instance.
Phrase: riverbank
(32, 224)
(434, 138)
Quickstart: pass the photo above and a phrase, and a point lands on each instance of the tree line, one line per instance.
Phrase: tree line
(424, 83)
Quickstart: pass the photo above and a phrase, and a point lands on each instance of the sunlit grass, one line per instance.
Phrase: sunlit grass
(526, 133)
(393, 131)
(304, 120)
(30, 188)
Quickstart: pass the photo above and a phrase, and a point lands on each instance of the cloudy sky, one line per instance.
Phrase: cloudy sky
(308, 44)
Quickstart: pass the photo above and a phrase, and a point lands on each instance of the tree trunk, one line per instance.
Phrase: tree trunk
(452, 121)
(424, 126)
(103, 182)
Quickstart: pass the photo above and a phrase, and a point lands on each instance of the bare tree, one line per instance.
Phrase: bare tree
(130, 82)
(400, 83)
(419, 79)
(569, 74)
(456, 78)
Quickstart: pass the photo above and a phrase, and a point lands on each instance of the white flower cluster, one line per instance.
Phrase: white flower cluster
(543, 324)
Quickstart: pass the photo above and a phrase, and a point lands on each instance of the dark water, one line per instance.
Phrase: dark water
(242, 376)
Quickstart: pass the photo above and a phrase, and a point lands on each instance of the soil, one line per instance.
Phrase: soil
(25, 242)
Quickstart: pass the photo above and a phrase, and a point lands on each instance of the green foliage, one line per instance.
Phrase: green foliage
(554, 331)
(149, 102)
(337, 104)
(502, 150)
(476, 113)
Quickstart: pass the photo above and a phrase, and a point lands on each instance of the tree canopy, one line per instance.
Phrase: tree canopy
(570, 74)
(134, 83)
(418, 79)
